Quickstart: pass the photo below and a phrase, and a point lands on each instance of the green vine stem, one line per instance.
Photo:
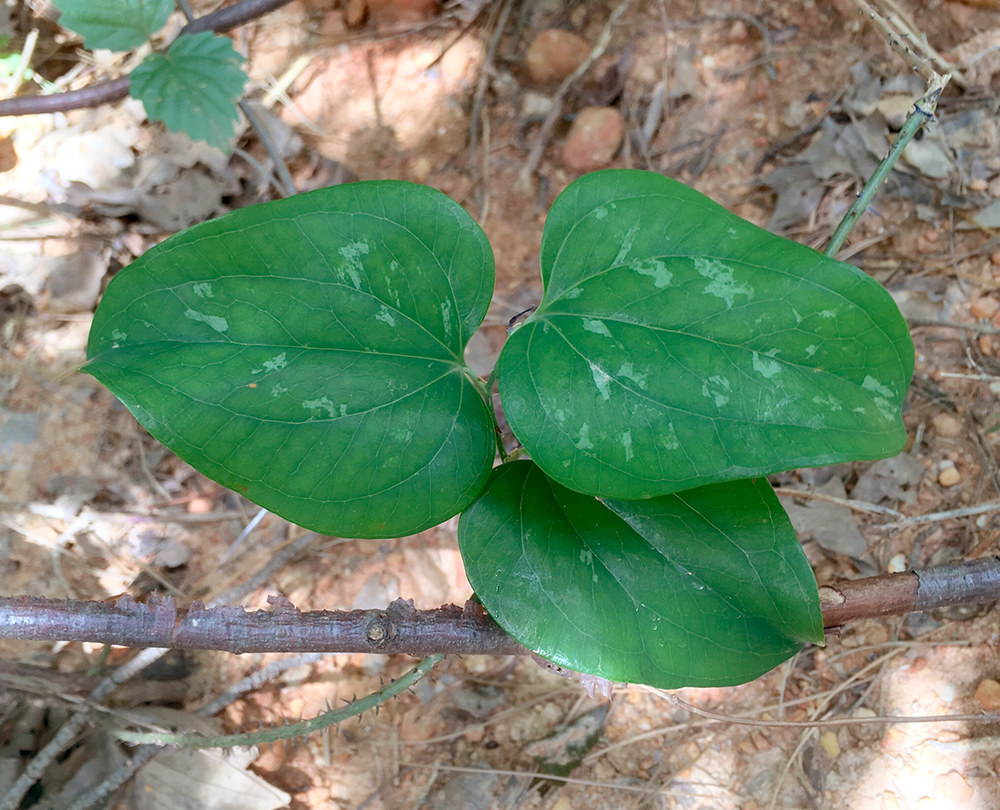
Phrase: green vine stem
(303, 728)
(923, 111)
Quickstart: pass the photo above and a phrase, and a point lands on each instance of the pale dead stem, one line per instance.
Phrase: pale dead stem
(903, 36)
(901, 520)
(494, 719)
(564, 779)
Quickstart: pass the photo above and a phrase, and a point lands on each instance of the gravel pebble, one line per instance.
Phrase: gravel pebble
(555, 54)
(593, 139)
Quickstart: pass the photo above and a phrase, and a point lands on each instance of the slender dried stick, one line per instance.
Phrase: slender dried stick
(560, 97)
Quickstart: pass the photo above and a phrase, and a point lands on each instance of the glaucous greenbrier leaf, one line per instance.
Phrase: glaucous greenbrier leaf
(118, 25)
(707, 587)
(193, 87)
(308, 353)
(678, 345)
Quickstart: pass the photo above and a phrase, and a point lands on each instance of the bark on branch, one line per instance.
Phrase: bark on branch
(400, 628)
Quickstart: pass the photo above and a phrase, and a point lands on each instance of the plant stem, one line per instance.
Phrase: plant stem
(923, 111)
(305, 727)
(400, 628)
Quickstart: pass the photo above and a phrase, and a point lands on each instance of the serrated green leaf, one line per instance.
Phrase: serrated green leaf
(193, 87)
(119, 25)
(309, 353)
(677, 345)
(708, 587)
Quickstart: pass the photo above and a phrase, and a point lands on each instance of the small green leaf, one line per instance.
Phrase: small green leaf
(708, 587)
(677, 345)
(118, 25)
(193, 87)
(309, 353)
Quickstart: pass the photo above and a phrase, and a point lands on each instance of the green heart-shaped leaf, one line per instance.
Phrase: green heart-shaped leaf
(309, 353)
(708, 587)
(677, 345)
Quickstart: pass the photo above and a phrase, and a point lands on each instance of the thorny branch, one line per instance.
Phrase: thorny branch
(117, 89)
(401, 628)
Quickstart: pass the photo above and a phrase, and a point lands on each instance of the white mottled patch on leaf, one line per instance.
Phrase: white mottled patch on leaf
(351, 266)
(386, 317)
(446, 318)
(717, 389)
(397, 270)
(218, 324)
(828, 401)
(627, 444)
(629, 373)
(883, 393)
(655, 269)
(627, 241)
(276, 363)
(321, 404)
(596, 326)
(584, 443)
(765, 366)
(669, 441)
(203, 289)
(721, 283)
(601, 380)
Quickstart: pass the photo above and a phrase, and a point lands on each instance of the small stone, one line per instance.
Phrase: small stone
(949, 475)
(985, 345)
(928, 242)
(952, 787)
(795, 113)
(172, 554)
(979, 184)
(947, 426)
(738, 32)
(593, 139)
(988, 694)
(420, 169)
(760, 741)
(200, 506)
(897, 564)
(984, 308)
(555, 54)
(830, 744)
